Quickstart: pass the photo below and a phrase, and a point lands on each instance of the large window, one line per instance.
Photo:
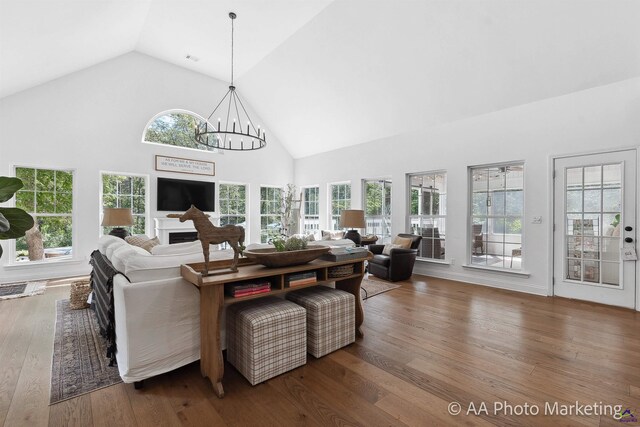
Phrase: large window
(270, 213)
(377, 208)
(311, 209)
(126, 191)
(233, 204)
(497, 214)
(428, 211)
(48, 196)
(175, 128)
(340, 200)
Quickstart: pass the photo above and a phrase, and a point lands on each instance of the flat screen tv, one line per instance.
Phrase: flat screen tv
(180, 194)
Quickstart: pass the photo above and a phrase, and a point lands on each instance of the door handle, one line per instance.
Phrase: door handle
(628, 239)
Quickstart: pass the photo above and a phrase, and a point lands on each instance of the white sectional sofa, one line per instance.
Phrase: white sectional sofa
(157, 312)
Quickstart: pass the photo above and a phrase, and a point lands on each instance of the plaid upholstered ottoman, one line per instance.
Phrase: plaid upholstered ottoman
(266, 337)
(330, 318)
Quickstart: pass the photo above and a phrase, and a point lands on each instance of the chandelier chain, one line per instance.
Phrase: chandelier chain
(232, 19)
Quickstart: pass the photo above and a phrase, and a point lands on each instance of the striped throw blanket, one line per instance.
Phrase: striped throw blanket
(102, 285)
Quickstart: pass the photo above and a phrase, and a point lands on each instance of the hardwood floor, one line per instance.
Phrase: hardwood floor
(426, 344)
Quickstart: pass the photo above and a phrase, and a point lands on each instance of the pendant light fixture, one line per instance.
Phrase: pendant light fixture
(234, 129)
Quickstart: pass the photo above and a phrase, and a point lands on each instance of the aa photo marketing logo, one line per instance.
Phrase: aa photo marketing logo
(627, 416)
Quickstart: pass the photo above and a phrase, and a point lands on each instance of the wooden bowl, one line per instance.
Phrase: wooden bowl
(269, 257)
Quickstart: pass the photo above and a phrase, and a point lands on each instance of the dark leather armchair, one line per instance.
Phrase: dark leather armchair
(399, 264)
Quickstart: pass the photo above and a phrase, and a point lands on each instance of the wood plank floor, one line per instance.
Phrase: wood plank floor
(427, 344)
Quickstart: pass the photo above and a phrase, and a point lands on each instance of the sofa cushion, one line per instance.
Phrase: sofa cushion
(113, 246)
(178, 248)
(332, 235)
(105, 241)
(123, 253)
(381, 260)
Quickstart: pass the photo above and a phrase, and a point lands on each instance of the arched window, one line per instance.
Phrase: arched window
(175, 127)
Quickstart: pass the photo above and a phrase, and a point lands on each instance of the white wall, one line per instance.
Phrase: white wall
(602, 118)
(92, 121)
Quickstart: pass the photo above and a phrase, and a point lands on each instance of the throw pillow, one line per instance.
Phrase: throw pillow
(388, 247)
(404, 242)
(142, 241)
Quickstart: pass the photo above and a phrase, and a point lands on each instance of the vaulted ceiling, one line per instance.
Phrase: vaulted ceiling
(328, 74)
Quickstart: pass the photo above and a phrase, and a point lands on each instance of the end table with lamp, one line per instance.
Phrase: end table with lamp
(117, 218)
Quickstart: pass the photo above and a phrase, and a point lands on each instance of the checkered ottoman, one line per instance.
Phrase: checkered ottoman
(330, 318)
(266, 337)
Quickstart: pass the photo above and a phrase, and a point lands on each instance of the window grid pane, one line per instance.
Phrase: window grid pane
(428, 209)
(47, 196)
(270, 213)
(340, 200)
(125, 191)
(496, 216)
(311, 210)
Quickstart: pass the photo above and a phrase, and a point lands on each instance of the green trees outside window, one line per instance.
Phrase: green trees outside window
(233, 204)
(47, 196)
(270, 213)
(126, 191)
(175, 128)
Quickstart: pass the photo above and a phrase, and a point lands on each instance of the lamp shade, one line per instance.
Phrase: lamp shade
(117, 217)
(352, 218)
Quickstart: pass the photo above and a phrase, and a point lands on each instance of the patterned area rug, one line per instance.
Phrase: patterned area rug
(80, 364)
(371, 287)
(19, 290)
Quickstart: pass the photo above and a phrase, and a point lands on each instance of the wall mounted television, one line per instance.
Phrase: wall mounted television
(180, 194)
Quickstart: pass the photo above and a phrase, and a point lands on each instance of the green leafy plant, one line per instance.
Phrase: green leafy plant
(283, 244)
(14, 222)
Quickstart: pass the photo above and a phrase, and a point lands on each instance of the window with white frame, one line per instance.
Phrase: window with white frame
(270, 213)
(311, 210)
(176, 128)
(377, 208)
(497, 215)
(47, 195)
(428, 212)
(340, 200)
(233, 204)
(126, 191)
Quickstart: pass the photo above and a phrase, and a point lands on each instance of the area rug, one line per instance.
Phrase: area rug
(370, 288)
(79, 364)
(19, 290)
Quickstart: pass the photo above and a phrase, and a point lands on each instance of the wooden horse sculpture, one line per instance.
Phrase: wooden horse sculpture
(210, 234)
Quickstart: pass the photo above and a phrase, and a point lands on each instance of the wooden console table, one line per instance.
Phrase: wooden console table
(213, 299)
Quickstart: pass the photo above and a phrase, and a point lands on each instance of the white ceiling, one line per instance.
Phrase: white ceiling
(41, 40)
(328, 74)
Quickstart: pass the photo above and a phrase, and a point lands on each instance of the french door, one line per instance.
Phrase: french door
(594, 217)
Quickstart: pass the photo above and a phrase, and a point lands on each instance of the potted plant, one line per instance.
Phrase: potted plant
(14, 222)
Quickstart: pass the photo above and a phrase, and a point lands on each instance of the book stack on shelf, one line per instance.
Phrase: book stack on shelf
(344, 254)
(303, 278)
(245, 289)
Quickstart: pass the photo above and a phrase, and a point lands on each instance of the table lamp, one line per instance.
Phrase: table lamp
(352, 218)
(117, 217)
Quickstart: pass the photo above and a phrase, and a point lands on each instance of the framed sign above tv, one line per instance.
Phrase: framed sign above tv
(180, 165)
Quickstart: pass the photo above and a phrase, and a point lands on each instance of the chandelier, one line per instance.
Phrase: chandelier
(229, 134)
